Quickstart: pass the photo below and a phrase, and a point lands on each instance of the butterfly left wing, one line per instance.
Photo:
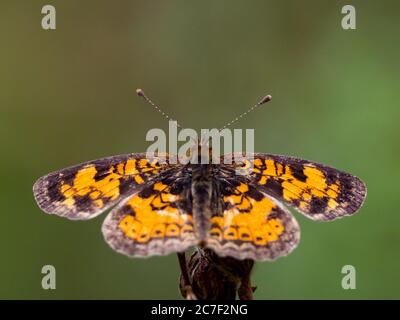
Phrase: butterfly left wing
(84, 191)
(249, 224)
(156, 221)
(318, 191)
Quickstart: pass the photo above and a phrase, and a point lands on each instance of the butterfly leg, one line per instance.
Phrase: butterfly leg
(185, 284)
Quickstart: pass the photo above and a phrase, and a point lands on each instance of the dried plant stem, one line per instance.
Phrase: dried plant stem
(210, 277)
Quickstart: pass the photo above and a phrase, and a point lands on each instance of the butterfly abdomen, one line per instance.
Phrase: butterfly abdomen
(201, 194)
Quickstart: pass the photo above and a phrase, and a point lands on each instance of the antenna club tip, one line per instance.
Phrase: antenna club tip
(265, 99)
(140, 92)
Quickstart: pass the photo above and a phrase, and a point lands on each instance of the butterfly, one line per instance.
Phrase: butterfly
(160, 207)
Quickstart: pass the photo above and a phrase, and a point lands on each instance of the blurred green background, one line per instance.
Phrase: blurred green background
(68, 95)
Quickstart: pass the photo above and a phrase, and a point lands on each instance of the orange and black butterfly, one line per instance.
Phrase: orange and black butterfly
(159, 207)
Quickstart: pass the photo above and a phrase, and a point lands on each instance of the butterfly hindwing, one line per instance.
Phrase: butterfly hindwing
(156, 221)
(318, 191)
(251, 224)
(86, 190)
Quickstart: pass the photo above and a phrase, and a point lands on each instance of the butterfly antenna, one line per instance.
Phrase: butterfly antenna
(265, 99)
(141, 94)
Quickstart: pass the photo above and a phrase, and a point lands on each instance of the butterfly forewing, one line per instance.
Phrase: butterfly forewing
(86, 190)
(318, 191)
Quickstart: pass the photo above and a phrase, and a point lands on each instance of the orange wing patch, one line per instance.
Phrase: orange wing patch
(153, 222)
(85, 183)
(252, 226)
(315, 185)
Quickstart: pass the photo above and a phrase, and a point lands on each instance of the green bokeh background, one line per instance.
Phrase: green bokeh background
(67, 96)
